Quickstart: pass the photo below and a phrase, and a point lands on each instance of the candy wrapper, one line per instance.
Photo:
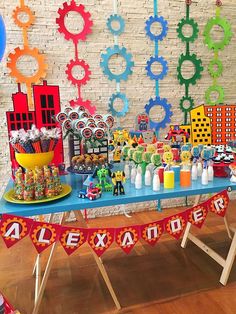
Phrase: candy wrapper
(34, 140)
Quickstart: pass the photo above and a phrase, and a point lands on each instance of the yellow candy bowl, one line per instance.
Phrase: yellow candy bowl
(30, 161)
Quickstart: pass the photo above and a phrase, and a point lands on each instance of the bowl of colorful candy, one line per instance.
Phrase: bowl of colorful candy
(34, 148)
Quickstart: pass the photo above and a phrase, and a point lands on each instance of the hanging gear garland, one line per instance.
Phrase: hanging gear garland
(121, 51)
(18, 53)
(186, 102)
(215, 67)
(75, 38)
(156, 59)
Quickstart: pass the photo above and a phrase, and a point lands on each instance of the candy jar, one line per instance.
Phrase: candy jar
(29, 185)
(19, 185)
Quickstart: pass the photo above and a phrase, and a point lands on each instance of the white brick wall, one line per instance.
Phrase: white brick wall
(139, 88)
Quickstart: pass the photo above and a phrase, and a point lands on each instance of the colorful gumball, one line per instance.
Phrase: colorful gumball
(73, 115)
(98, 133)
(67, 124)
(86, 133)
(61, 116)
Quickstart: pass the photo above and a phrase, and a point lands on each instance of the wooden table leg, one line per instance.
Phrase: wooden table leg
(227, 227)
(100, 264)
(188, 227)
(229, 262)
(46, 273)
(37, 267)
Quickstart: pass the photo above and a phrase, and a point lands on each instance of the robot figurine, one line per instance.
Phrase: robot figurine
(118, 178)
(103, 175)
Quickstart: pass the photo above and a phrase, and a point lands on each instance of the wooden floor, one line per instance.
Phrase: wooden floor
(164, 279)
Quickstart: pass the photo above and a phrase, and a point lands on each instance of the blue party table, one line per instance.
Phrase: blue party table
(73, 203)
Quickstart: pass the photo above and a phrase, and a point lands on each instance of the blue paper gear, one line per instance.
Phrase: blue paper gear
(164, 71)
(162, 102)
(164, 25)
(105, 63)
(125, 108)
(2, 37)
(120, 20)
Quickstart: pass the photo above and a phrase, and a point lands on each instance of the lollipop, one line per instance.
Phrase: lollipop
(78, 124)
(86, 133)
(98, 133)
(67, 110)
(109, 120)
(66, 124)
(91, 125)
(73, 115)
(98, 117)
(102, 124)
(61, 117)
(83, 114)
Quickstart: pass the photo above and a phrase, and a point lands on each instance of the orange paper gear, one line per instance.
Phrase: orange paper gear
(72, 238)
(44, 234)
(152, 232)
(218, 204)
(14, 229)
(100, 239)
(127, 237)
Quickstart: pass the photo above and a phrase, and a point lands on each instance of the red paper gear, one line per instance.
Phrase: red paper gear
(84, 103)
(70, 76)
(72, 7)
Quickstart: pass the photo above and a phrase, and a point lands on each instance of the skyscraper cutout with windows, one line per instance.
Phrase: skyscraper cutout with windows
(223, 123)
(46, 105)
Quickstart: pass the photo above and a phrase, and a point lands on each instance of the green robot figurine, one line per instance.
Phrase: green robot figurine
(102, 175)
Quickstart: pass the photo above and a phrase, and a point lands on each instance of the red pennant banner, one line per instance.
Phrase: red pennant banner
(44, 234)
(72, 238)
(152, 232)
(127, 237)
(175, 224)
(197, 215)
(218, 204)
(14, 229)
(100, 239)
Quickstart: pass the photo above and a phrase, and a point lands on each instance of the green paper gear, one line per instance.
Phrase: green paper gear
(195, 30)
(225, 25)
(198, 69)
(215, 63)
(182, 102)
(221, 95)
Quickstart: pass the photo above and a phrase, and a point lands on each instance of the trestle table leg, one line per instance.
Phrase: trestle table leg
(46, 273)
(100, 264)
(229, 262)
(188, 227)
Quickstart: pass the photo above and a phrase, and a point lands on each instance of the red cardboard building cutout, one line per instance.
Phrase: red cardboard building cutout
(46, 105)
